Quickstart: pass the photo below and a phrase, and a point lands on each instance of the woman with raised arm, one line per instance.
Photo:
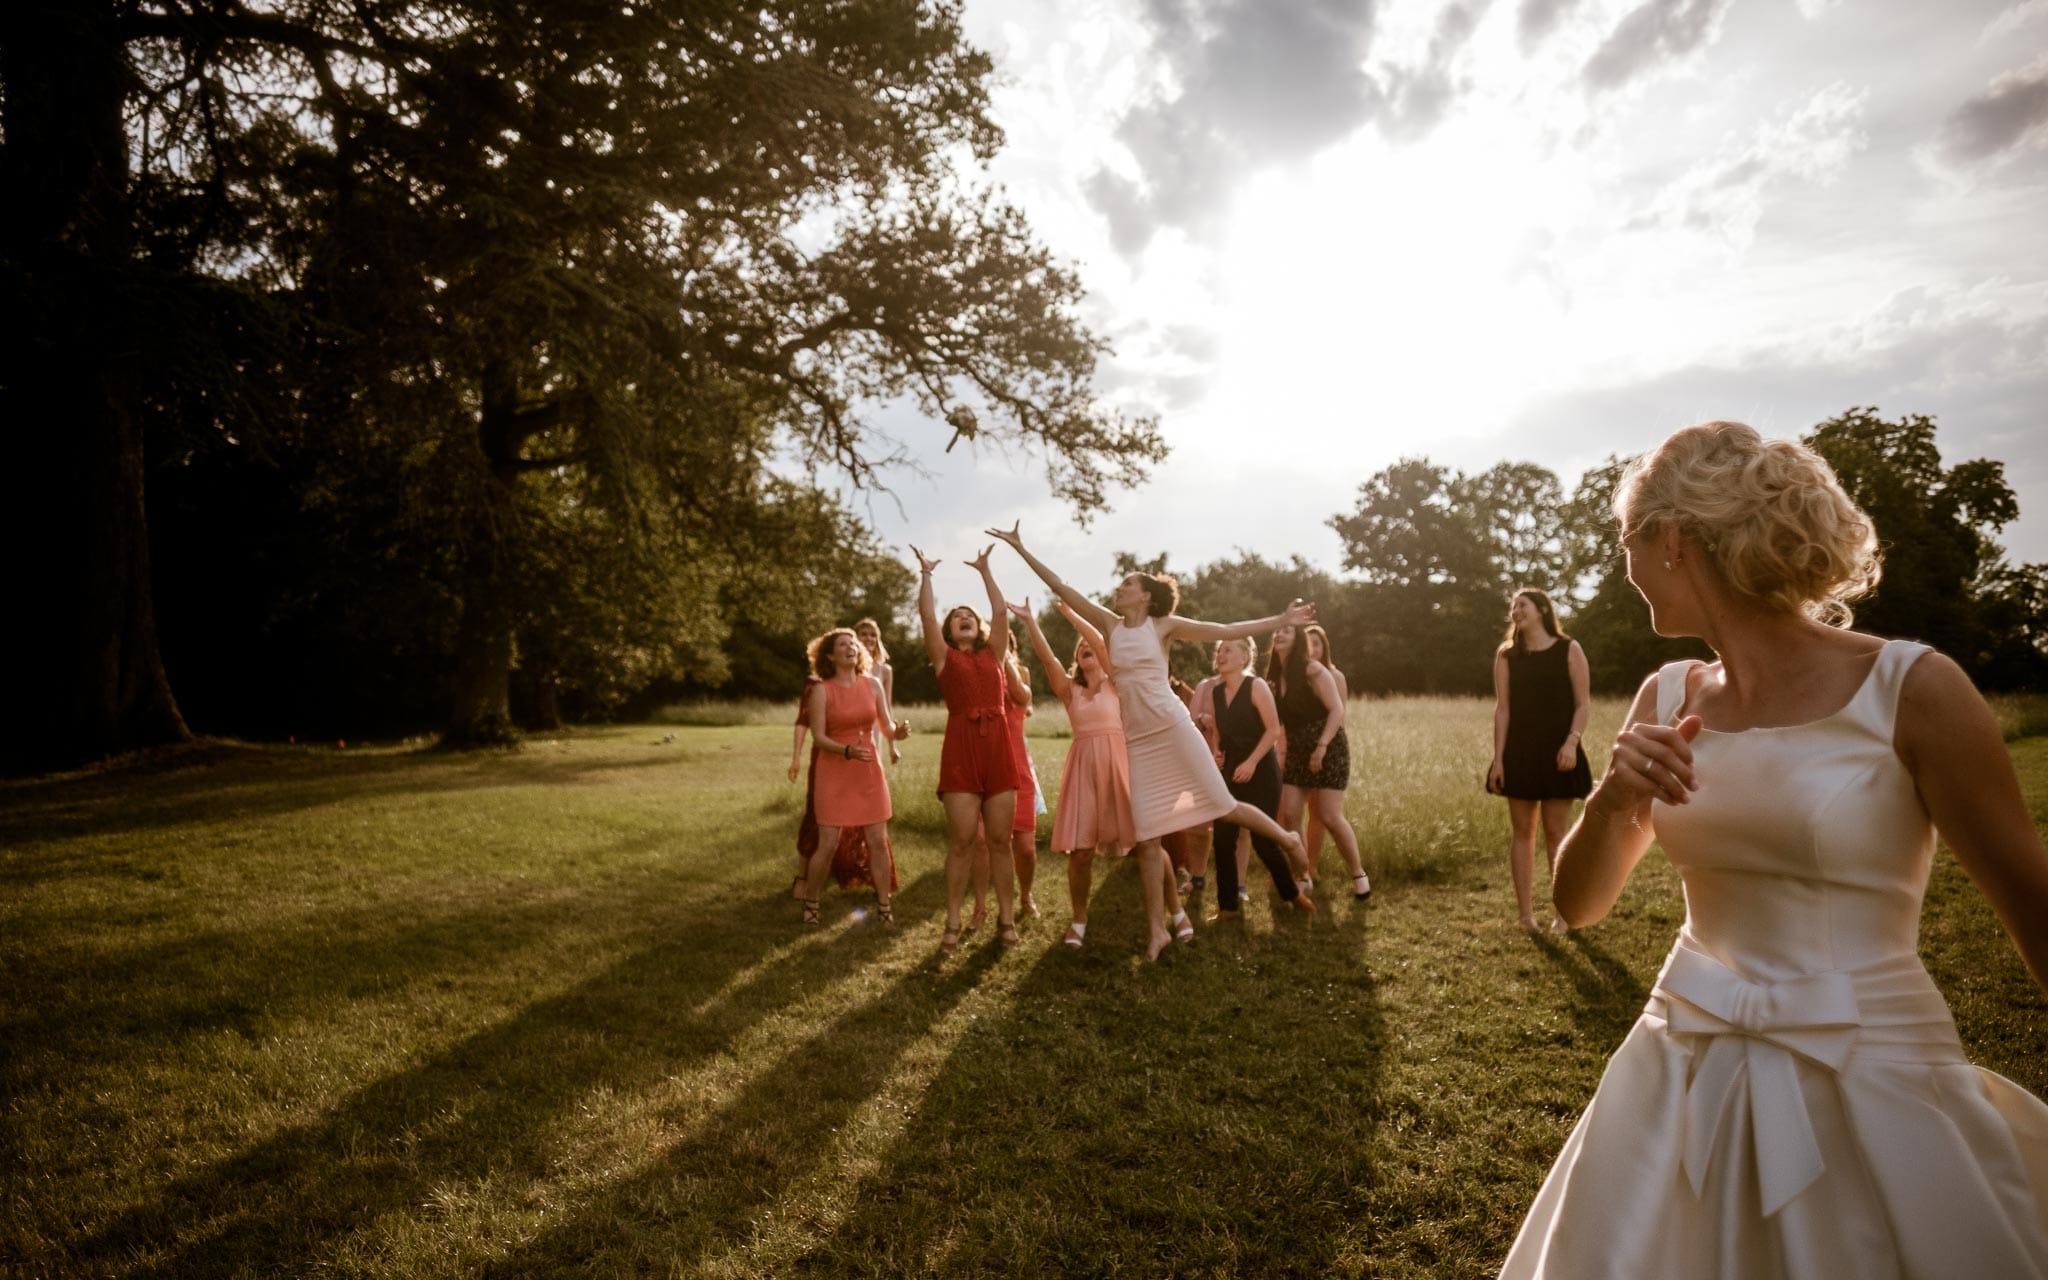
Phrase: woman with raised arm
(977, 768)
(1245, 722)
(1094, 813)
(1794, 1101)
(848, 715)
(1542, 694)
(1315, 764)
(1174, 782)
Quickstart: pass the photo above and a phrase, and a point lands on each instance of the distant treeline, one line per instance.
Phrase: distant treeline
(1432, 556)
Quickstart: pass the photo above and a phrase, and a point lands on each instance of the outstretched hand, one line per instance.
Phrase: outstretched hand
(1009, 535)
(1021, 612)
(924, 563)
(980, 562)
(1298, 614)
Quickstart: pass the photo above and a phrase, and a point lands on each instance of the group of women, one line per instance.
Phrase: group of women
(1793, 1101)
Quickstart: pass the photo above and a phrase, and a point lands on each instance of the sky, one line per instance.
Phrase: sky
(1324, 235)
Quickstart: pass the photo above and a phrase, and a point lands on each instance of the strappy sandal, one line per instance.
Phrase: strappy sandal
(1183, 928)
(1008, 936)
(810, 911)
(1073, 938)
(949, 941)
(886, 914)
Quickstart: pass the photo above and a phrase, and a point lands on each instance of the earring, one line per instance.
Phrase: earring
(1667, 566)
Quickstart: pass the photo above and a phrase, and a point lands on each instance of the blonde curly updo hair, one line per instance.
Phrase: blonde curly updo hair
(1770, 515)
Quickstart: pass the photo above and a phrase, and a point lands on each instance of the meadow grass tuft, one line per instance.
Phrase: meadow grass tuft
(397, 1013)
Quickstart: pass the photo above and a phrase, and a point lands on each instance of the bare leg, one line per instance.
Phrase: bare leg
(1244, 857)
(963, 810)
(980, 876)
(1152, 874)
(1557, 820)
(1254, 819)
(1080, 877)
(1522, 856)
(803, 875)
(997, 812)
(1024, 853)
(1293, 805)
(1328, 805)
(820, 864)
(881, 862)
(1312, 836)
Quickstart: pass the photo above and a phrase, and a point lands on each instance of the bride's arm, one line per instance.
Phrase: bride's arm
(1949, 741)
(1649, 762)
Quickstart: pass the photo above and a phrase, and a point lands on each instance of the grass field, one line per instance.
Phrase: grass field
(391, 1013)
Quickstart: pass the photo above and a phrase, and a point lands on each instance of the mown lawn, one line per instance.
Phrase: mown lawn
(390, 1013)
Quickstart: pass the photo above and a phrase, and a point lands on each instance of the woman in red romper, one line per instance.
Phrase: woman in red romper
(977, 766)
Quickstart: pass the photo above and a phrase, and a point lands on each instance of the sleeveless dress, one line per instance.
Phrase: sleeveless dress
(850, 793)
(976, 756)
(1027, 776)
(1302, 715)
(1174, 783)
(850, 864)
(1239, 729)
(1793, 1102)
(1095, 783)
(1539, 716)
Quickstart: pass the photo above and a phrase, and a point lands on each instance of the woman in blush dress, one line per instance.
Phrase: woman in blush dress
(1794, 1102)
(1315, 763)
(850, 863)
(1542, 694)
(977, 767)
(847, 714)
(1174, 781)
(1094, 813)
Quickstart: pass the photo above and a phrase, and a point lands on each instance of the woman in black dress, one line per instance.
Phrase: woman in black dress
(1236, 712)
(1540, 701)
(1315, 762)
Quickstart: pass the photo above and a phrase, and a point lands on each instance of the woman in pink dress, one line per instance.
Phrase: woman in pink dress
(1094, 812)
(977, 767)
(848, 789)
(1174, 781)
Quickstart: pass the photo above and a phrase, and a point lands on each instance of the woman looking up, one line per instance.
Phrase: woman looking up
(1174, 781)
(977, 768)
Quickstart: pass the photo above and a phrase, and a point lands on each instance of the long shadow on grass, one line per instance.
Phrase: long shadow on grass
(1213, 1114)
(706, 1193)
(1607, 996)
(233, 782)
(492, 1105)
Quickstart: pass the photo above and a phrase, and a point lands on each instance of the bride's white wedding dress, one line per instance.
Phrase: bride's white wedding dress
(1793, 1101)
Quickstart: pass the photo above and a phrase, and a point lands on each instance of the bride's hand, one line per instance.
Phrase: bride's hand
(1652, 762)
(1298, 614)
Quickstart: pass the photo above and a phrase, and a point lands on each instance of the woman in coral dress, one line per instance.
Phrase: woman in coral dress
(1793, 1101)
(848, 789)
(1093, 816)
(977, 766)
(1174, 781)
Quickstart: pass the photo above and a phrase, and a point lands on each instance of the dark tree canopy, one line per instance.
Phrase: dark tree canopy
(595, 296)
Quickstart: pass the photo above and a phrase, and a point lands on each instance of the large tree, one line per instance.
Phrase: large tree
(639, 259)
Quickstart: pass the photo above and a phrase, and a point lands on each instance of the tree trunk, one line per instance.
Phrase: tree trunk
(88, 670)
(547, 703)
(482, 712)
